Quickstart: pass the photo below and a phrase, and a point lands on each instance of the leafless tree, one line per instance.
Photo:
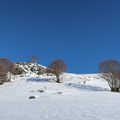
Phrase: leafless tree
(6, 66)
(34, 59)
(57, 67)
(3, 73)
(110, 71)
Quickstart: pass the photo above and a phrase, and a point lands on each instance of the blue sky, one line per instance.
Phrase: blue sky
(81, 32)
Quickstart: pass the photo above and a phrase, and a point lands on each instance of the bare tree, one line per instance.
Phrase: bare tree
(110, 71)
(2, 70)
(34, 59)
(57, 67)
(6, 66)
(3, 73)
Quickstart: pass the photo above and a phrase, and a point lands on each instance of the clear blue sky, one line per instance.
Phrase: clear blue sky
(81, 32)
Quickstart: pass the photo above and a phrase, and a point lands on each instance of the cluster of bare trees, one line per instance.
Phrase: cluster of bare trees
(110, 71)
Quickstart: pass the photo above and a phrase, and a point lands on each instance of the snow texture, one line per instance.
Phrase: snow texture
(79, 97)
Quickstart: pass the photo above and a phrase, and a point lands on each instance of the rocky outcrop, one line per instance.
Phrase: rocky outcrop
(22, 68)
(27, 67)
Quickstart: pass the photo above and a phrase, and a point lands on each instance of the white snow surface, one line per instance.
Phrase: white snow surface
(78, 97)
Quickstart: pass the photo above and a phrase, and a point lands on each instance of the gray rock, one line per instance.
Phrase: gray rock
(32, 97)
(41, 91)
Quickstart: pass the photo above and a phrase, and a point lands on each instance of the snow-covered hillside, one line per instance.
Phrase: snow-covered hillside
(79, 97)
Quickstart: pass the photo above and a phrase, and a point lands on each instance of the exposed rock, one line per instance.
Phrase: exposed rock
(22, 69)
(70, 84)
(32, 97)
(18, 70)
(27, 67)
(41, 91)
(59, 92)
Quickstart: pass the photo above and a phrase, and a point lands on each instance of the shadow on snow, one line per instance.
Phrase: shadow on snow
(87, 87)
(33, 79)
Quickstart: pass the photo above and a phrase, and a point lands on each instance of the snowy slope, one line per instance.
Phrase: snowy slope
(79, 97)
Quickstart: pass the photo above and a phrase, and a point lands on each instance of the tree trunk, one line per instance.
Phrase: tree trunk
(58, 78)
